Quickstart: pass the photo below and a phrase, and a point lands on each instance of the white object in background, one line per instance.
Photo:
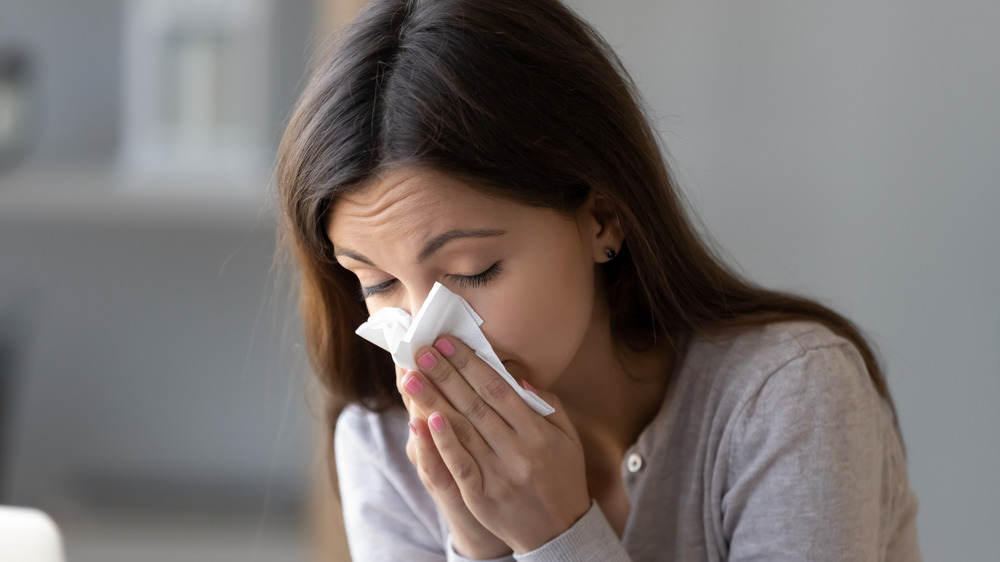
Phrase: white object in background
(10, 109)
(443, 313)
(196, 95)
(28, 535)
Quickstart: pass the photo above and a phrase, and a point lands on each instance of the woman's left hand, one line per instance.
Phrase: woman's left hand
(521, 475)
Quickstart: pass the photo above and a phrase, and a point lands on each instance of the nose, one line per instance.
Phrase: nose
(414, 298)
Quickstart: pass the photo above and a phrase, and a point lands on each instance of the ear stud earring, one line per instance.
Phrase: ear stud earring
(610, 253)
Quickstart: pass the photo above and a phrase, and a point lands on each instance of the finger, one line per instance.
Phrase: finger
(461, 465)
(451, 386)
(407, 402)
(430, 467)
(487, 387)
(426, 397)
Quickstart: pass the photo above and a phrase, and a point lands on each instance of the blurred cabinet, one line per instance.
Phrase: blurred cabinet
(162, 111)
(195, 97)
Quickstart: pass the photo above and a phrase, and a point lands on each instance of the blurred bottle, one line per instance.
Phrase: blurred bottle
(16, 101)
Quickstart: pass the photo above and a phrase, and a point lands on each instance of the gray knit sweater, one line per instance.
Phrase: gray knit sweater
(772, 444)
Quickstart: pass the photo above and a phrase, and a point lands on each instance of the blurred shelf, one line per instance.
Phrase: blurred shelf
(95, 196)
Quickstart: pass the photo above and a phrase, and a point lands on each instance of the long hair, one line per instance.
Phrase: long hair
(526, 101)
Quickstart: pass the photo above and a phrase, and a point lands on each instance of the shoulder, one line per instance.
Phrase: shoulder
(748, 367)
(788, 376)
(781, 383)
(804, 453)
(378, 437)
(764, 348)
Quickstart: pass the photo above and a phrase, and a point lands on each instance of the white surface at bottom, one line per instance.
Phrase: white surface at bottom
(28, 535)
(130, 536)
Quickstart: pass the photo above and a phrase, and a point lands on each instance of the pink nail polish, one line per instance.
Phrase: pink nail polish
(528, 386)
(445, 347)
(427, 360)
(436, 422)
(412, 384)
(413, 428)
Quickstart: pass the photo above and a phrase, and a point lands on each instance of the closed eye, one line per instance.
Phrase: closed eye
(464, 281)
(381, 288)
(479, 279)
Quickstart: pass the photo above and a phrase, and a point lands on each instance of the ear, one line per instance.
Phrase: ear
(602, 228)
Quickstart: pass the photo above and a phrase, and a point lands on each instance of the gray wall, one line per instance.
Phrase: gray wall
(151, 373)
(848, 150)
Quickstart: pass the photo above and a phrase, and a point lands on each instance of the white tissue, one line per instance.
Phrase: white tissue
(443, 313)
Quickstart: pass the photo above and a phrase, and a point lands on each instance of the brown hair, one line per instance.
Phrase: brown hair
(525, 100)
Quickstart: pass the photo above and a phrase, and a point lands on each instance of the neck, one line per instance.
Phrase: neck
(611, 395)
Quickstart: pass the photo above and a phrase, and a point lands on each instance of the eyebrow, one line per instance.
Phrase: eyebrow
(432, 245)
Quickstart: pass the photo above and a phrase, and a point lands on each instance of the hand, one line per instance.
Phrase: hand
(469, 538)
(520, 474)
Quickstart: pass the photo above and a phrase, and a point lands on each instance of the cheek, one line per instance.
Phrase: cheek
(540, 321)
(551, 339)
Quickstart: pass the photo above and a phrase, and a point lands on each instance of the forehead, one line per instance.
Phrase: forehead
(413, 204)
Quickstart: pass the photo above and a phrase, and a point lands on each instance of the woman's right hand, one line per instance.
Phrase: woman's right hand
(469, 538)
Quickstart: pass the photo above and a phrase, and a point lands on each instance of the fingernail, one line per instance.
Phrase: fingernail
(445, 347)
(427, 360)
(436, 422)
(413, 427)
(412, 384)
(528, 386)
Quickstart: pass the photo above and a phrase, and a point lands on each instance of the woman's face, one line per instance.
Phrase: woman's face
(528, 272)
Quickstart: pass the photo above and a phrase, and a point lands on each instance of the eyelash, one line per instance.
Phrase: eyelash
(478, 280)
(367, 292)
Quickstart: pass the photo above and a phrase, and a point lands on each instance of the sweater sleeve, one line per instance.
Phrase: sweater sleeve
(591, 539)
(381, 523)
(814, 458)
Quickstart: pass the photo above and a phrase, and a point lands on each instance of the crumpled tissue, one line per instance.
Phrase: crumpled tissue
(443, 313)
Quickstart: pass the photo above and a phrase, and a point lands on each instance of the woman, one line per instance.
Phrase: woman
(499, 148)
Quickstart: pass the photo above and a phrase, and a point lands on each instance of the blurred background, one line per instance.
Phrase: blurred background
(149, 400)
(843, 150)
